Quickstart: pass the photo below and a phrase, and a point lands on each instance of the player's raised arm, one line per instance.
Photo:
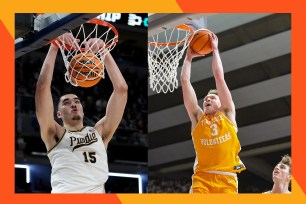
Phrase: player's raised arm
(189, 95)
(223, 91)
(43, 98)
(117, 101)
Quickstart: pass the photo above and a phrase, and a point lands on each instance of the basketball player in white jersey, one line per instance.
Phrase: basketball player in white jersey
(77, 153)
(281, 176)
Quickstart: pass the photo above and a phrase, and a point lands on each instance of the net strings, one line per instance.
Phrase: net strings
(69, 53)
(164, 60)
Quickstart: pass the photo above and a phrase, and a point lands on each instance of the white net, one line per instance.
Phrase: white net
(164, 52)
(86, 63)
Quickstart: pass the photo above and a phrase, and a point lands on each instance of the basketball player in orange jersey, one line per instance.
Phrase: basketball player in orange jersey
(213, 130)
(281, 176)
(77, 153)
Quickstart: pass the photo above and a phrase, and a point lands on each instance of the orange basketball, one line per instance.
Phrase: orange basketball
(201, 42)
(84, 69)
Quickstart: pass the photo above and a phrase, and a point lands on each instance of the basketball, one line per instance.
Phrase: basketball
(85, 70)
(201, 42)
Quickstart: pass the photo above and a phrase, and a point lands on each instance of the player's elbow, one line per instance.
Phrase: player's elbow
(218, 73)
(41, 86)
(41, 90)
(122, 88)
(42, 83)
(184, 79)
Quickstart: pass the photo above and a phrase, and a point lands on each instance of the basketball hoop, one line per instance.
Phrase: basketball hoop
(163, 57)
(94, 28)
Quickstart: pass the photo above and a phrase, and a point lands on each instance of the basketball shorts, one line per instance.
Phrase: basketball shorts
(203, 182)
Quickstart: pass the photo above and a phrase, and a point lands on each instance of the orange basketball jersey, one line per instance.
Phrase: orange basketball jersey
(216, 145)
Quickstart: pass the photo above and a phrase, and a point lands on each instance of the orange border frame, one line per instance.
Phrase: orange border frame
(7, 102)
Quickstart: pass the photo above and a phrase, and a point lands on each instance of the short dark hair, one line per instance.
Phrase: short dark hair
(213, 91)
(59, 98)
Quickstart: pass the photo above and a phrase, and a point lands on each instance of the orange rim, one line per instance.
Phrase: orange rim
(98, 22)
(183, 27)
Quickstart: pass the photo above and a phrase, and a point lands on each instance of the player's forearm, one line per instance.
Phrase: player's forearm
(46, 73)
(186, 70)
(217, 66)
(189, 96)
(114, 74)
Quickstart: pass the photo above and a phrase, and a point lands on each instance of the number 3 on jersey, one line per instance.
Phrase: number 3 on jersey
(214, 129)
(89, 157)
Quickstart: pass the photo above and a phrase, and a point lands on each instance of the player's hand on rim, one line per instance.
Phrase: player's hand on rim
(94, 45)
(70, 40)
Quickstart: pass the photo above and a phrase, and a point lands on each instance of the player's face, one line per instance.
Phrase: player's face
(70, 108)
(281, 173)
(211, 104)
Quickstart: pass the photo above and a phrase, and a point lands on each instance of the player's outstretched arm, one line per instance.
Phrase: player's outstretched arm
(223, 90)
(43, 98)
(189, 95)
(117, 102)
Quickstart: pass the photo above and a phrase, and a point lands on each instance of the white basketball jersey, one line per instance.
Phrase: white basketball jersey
(79, 162)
